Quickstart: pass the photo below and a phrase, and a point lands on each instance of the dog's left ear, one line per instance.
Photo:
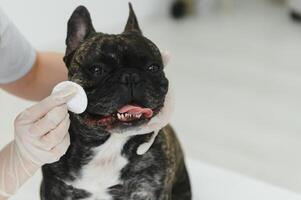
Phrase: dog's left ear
(79, 27)
(132, 25)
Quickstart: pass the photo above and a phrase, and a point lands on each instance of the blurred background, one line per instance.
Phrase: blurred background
(235, 71)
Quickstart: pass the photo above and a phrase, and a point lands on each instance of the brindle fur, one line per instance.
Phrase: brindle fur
(159, 174)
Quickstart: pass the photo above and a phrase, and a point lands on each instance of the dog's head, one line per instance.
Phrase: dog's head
(122, 74)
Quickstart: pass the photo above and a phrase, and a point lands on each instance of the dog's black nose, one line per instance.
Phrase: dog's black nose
(130, 78)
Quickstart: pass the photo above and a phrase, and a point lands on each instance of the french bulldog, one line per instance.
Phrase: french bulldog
(121, 146)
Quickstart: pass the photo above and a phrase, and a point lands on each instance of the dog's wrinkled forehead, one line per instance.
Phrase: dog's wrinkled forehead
(124, 49)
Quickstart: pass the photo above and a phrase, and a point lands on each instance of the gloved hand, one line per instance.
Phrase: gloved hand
(41, 137)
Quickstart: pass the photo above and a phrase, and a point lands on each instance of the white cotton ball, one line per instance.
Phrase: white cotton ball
(79, 102)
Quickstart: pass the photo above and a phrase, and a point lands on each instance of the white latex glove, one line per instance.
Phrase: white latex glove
(41, 137)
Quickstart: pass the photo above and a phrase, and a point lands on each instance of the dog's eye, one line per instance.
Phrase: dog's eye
(97, 69)
(153, 68)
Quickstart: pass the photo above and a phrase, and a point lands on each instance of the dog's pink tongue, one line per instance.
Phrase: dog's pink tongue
(134, 110)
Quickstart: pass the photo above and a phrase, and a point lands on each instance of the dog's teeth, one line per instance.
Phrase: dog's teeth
(126, 116)
(120, 116)
(137, 116)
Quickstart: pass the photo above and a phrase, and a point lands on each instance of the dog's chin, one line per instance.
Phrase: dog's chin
(125, 117)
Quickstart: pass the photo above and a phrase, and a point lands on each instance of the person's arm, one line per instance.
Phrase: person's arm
(2, 198)
(24, 71)
(48, 70)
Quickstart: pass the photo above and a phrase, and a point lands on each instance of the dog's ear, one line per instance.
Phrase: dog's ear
(79, 27)
(132, 25)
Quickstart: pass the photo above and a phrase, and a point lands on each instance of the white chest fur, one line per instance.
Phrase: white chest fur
(104, 169)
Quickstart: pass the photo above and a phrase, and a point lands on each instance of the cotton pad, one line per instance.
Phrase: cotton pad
(79, 102)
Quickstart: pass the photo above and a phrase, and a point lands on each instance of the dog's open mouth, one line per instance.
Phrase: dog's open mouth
(126, 115)
(130, 113)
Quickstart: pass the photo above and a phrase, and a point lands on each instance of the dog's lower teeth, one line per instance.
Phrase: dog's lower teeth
(128, 116)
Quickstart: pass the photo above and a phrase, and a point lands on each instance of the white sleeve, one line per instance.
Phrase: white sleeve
(17, 56)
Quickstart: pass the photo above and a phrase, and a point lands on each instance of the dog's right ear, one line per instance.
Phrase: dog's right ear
(79, 27)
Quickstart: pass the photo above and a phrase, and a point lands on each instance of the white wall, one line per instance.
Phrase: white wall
(44, 22)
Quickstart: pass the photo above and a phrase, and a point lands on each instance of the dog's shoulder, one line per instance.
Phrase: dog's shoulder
(173, 151)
